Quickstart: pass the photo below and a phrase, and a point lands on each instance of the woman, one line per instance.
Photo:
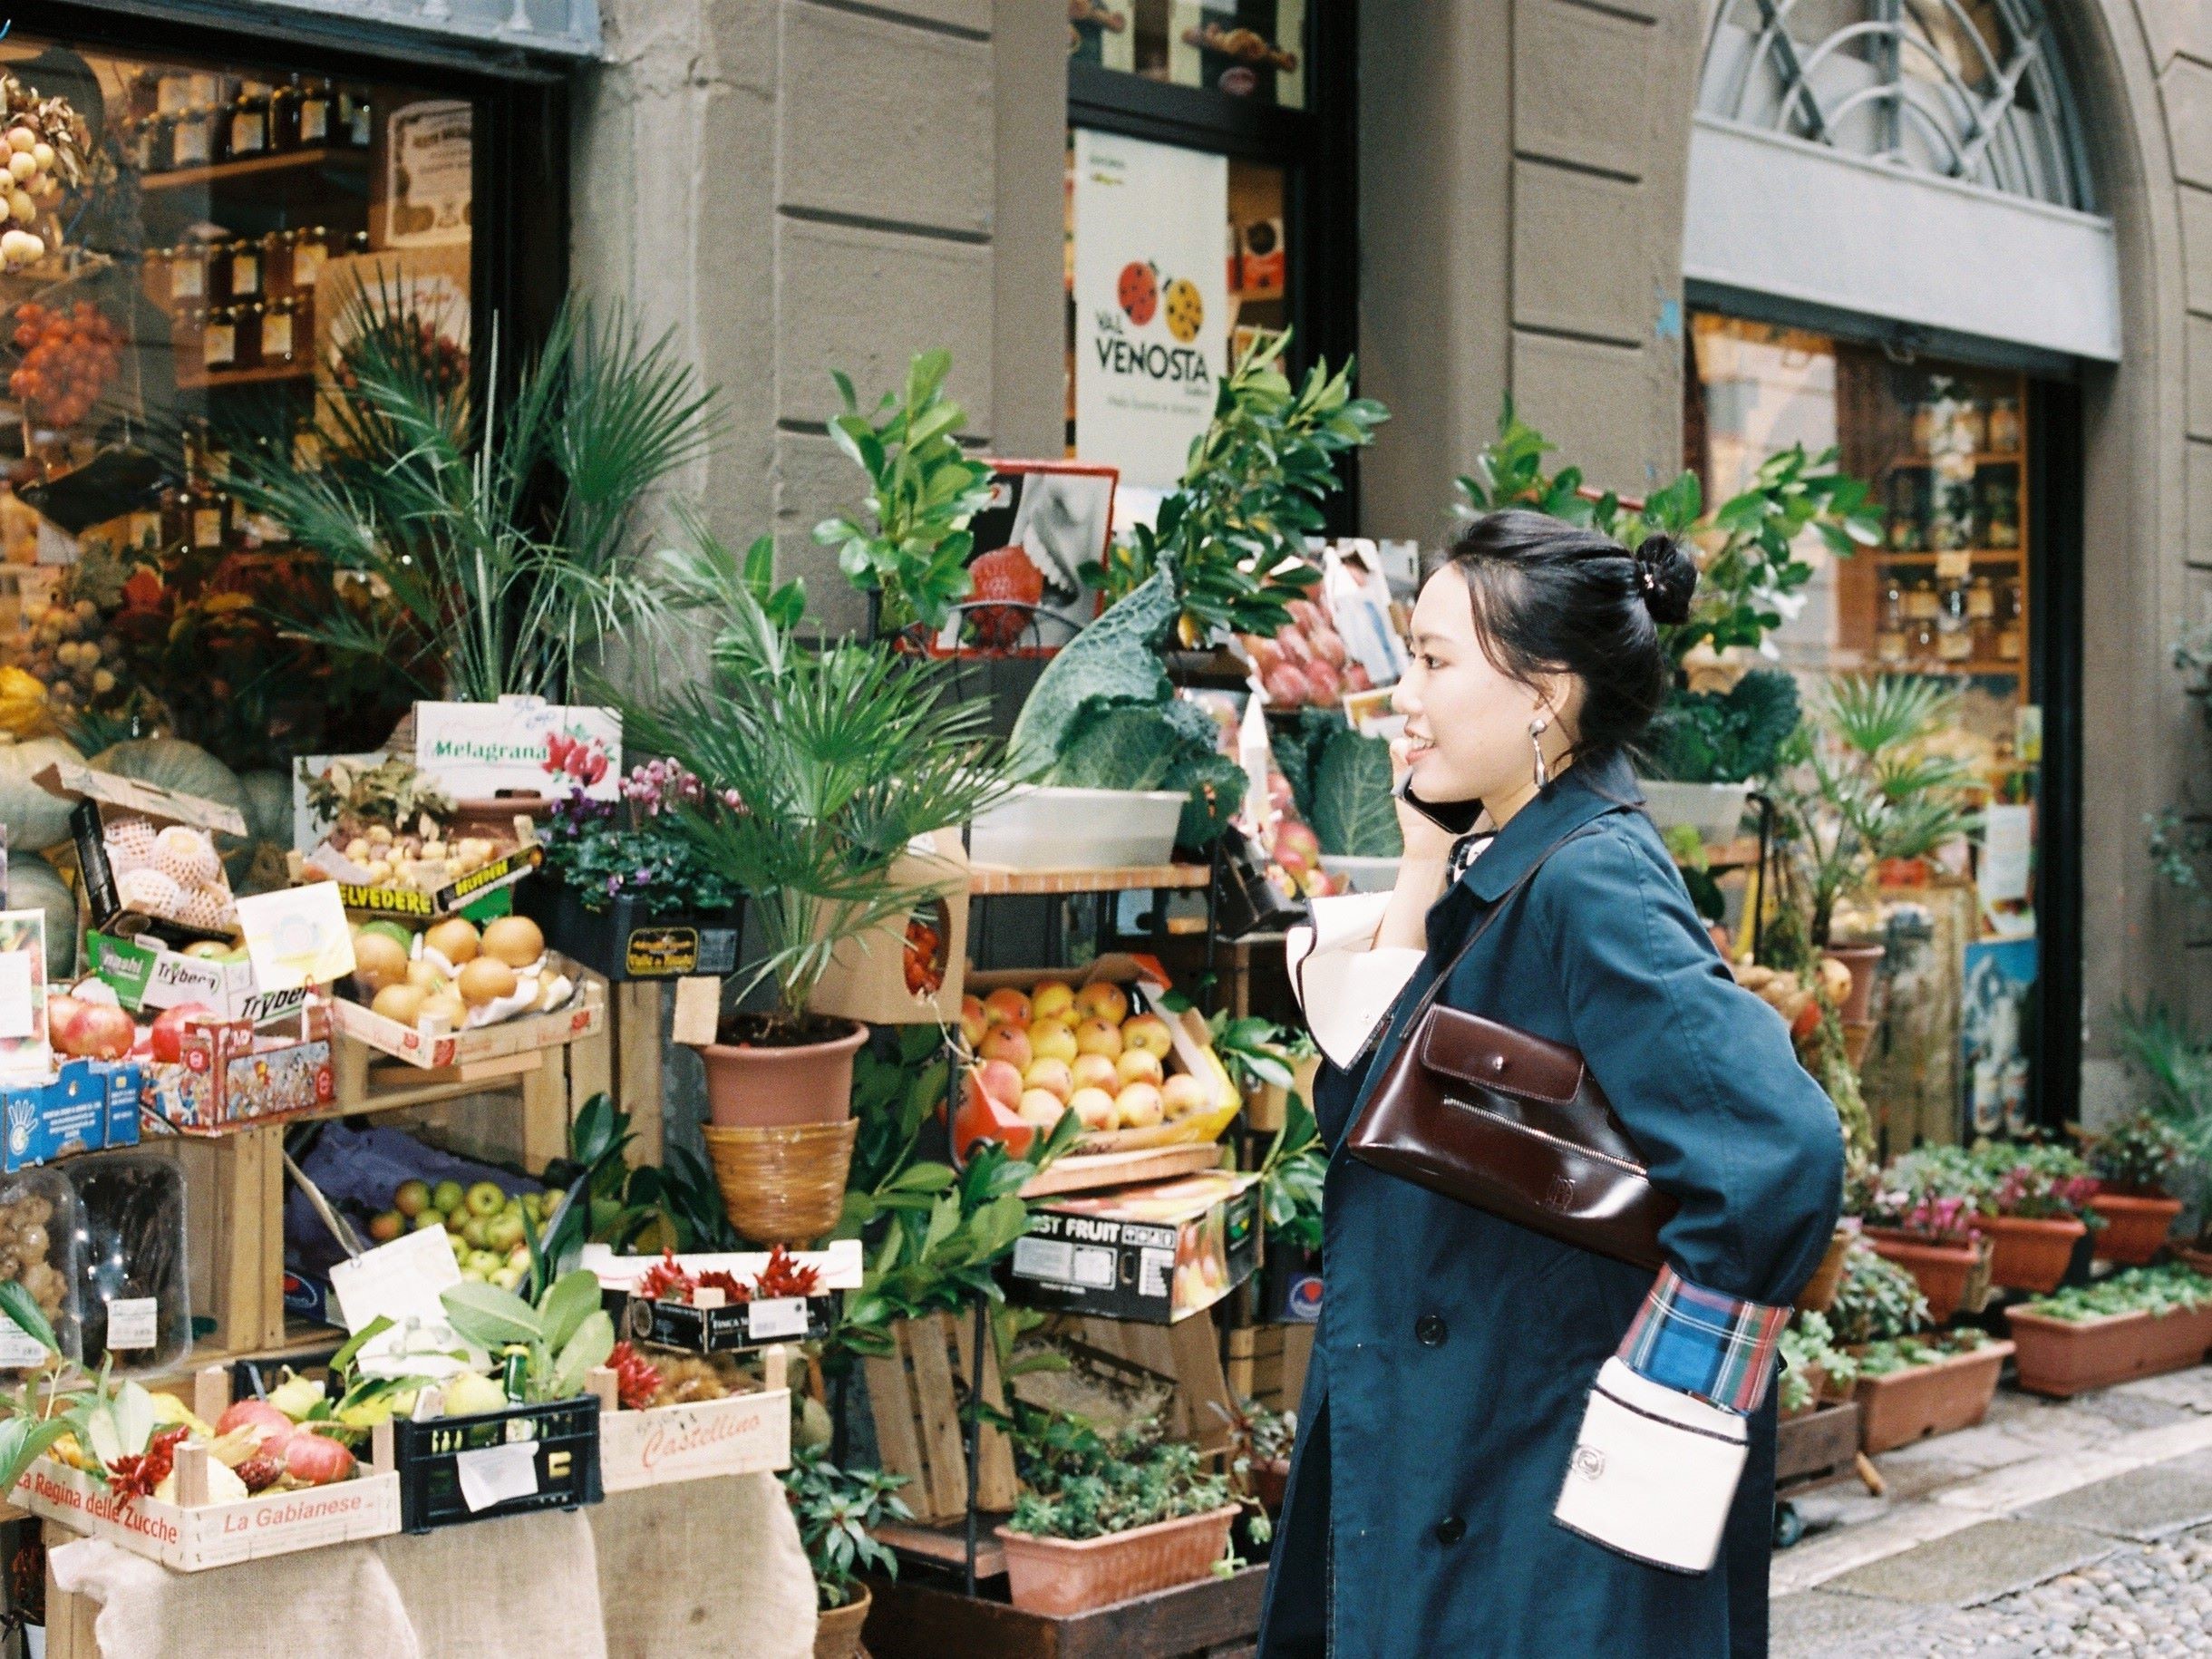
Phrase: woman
(1457, 1351)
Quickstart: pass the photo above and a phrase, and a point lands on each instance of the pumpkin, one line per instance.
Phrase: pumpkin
(268, 807)
(36, 818)
(33, 884)
(186, 769)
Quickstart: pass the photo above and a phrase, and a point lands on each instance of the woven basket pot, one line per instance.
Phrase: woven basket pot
(783, 1186)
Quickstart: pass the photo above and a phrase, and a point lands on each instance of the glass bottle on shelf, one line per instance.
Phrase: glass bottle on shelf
(1954, 643)
(2001, 506)
(278, 320)
(240, 265)
(249, 122)
(2005, 426)
(314, 109)
(1982, 619)
(218, 338)
(207, 514)
(1889, 627)
(2011, 623)
(248, 326)
(188, 271)
(284, 115)
(310, 248)
(190, 140)
(1920, 611)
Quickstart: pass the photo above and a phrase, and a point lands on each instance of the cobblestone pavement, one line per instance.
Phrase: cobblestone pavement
(2075, 1527)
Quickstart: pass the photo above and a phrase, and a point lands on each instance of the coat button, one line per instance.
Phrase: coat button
(1450, 1530)
(1430, 1329)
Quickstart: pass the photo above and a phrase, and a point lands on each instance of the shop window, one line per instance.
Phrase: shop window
(202, 284)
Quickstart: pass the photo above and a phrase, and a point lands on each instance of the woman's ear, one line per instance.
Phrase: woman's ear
(1559, 703)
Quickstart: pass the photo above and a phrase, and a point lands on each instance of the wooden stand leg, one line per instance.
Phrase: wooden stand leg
(69, 1618)
(544, 1111)
(637, 1063)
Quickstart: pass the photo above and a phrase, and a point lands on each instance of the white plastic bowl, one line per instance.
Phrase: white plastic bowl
(1365, 875)
(1043, 827)
(1714, 810)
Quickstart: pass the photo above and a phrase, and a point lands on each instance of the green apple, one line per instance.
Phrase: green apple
(428, 1219)
(448, 1196)
(486, 1199)
(485, 1262)
(470, 1394)
(461, 1247)
(411, 1198)
(473, 1229)
(508, 1278)
(454, 1219)
(503, 1232)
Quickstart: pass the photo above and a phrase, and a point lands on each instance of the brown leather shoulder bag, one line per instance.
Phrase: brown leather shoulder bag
(1510, 1123)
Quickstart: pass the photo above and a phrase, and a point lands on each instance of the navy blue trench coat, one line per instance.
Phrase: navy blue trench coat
(1456, 1351)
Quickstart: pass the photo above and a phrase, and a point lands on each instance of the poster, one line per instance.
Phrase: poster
(1993, 1030)
(429, 174)
(1058, 515)
(1151, 302)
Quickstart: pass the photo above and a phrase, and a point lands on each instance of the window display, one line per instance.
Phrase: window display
(1252, 49)
(189, 239)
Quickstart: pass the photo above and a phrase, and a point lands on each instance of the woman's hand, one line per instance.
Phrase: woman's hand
(1420, 869)
(1426, 840)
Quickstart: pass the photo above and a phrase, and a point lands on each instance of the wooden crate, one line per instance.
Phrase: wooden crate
(1210, 1616)
(1189, 1353)
(1820, 1446)
(915, 1394)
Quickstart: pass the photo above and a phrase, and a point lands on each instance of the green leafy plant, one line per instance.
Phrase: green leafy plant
(1232, 534)
(2156, 1291)
(1291, 1178)
(1724, 737)
(31, 1419)
(1812, 1365)
(1889, 1356)
(1748, 563)
(1079, 1484)
(838, 1511)
(910, 541)
(563, 1336)
(1256, 1050)
(1876, 1300)
(502, 534)
(645, 1206)
(1351, 813)
(2136, 1156)
(2175, 1065)
(819, 767)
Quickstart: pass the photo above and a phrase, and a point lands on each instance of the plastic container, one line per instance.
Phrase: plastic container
(564, 1433)
(1040, 827)
(132, 1283)
(40, 1246)
(1715, 810)
(1365, 875)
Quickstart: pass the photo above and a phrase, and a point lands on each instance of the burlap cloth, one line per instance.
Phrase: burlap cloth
(704, 1568)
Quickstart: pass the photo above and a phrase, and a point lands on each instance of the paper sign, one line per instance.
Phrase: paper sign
(493, 1474)
(19, 1347)
(478, 749)
(297, 937)
(399, 1281)
(18, 1010)
(24, 1051)
(776, 1316)
(135, 1322)
(698, 1010)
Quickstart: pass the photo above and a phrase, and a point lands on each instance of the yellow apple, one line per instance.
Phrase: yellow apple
(1093, 1108)
(1103, 1001)
(1051, 999)
(1051, 1075)
(1098, 1037)
(1139, 1065)
(973, 1022)
(1183, 1094)
(1148, 1031)
(1040, 1107)
(1052, 1040)
(1095, 1072)
(1138, 1107)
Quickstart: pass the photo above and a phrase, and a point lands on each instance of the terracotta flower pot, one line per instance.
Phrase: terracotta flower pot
(1945, 1272)
(837, 1630)
(2069, 1357)
(2029, 1253)
(1864, 961)
(1820, 1289)
(2134, 1227)
(1270, 1482)
(760, 1086)
(1064, 1575)
(1952, 1393)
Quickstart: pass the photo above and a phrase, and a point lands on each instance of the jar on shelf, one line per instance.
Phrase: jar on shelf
(249, 314)
(218, 338)
(248, 133)
(237, 270)
(352, 125)
(2005, 426)
(1889, 627)
(187, 272)
(1921, 609)
(279, 330)
(1982, 617)
(284, 116)
(309, 248)
(1954, 641)
(2011, 621)
(207, 514)
(314, 113)
(191, 139)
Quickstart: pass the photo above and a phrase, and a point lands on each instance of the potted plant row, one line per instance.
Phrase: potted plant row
(2140, 1322)
(2133, 1162)
(1921, 1214)
(1908, 1383)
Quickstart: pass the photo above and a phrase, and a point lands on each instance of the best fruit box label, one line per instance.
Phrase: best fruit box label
(744, 1435)
(216, 1534)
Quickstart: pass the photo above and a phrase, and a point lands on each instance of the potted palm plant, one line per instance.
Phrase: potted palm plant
(2133, 1160)
(821, 768)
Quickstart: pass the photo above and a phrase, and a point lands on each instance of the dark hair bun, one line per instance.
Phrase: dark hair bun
(1666, 576)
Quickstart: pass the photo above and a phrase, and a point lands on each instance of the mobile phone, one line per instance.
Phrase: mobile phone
(1455, 818)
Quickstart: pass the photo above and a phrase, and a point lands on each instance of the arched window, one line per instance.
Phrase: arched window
(1968, 90)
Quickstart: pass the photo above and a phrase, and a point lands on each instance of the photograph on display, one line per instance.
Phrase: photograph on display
(1995, 1036)
(1046, 520)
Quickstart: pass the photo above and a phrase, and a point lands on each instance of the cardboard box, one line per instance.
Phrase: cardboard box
(733, 1327)
(144, 974)
(584, 1014)
(90, 1106)
(103, 797)
(871, 979)
(213, 1534)
(1155, 1253)
(416, 906)
(744, 1435)
(229, 1073)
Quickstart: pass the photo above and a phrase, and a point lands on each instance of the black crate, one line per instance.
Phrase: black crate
(708, 1330)
(567, 1433)
(625, 941)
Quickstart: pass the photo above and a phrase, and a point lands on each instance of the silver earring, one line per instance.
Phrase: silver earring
(1536, 742)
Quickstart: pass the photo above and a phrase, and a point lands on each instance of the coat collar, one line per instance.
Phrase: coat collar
(1580, 794)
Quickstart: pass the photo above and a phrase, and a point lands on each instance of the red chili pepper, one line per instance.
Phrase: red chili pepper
(136, 1476)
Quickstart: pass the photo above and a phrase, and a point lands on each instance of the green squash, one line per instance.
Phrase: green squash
(269, 806)
(33, 884)
(35, 817)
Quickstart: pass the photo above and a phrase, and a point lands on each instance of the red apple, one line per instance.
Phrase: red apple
(1098, 1037)
(1007, 1007)
(1002, 1082)
(169, 1029)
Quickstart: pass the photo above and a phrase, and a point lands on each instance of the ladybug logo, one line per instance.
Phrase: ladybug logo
(1186, 310)
(1137, 289)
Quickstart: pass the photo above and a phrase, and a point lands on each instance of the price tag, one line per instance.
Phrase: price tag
(493, 1474)
(133, 1322)
(778, 1317)
(19, 1347)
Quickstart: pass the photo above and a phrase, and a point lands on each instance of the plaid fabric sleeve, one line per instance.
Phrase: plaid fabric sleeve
(1698, 1342)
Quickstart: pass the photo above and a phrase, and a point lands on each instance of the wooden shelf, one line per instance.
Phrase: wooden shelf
(1971, 667)
(279, 161)
(1980, 556)
(1980, 458)
(193, 380)
(1089, 1171)
(994, 881)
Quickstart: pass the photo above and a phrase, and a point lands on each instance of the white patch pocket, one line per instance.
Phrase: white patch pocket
(1653, 1472)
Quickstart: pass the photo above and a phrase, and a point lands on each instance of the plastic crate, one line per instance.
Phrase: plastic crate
(566, 1433)
(728, 1329)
